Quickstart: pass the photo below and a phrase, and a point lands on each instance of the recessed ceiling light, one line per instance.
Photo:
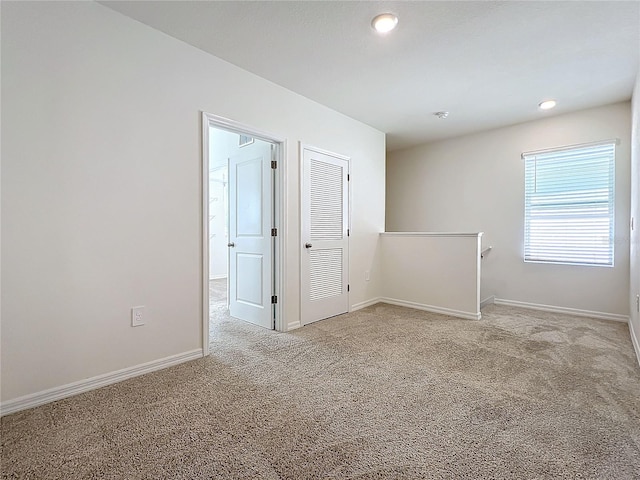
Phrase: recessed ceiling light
(384, 23)
(547, 105)
(441, 114)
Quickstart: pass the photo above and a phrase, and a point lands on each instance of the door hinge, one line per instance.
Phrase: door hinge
(274, 299)
(274, 232)
(347, 287)
(348, 177)
(274, 164)
(347, 232)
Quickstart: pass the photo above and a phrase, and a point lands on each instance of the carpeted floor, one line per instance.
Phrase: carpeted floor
(382, 393)
(218, 292)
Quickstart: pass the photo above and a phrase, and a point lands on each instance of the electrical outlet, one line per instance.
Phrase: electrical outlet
(367, 277)
(137, 316)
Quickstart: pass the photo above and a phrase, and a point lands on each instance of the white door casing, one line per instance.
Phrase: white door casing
(250, 241)
(324, 262)
(209, 122)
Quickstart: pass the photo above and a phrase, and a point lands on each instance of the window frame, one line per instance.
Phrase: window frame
(547, 155)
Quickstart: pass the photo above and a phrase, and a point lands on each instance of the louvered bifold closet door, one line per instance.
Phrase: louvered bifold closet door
(324, 233)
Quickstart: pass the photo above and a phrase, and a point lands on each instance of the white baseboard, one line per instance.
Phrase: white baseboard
(431, 308)
(571, 311)
(488, 301)
(365, 304)
(70, 389)
(293, 325)
(635, 341)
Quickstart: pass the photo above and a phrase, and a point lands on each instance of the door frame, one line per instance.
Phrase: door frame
(279, 215)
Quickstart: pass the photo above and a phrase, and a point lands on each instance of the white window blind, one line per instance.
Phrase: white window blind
(569, 205)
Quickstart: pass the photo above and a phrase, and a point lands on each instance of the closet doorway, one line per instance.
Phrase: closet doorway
(241, 218)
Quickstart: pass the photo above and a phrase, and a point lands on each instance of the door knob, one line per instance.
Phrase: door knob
(307, 245)
(231, 244)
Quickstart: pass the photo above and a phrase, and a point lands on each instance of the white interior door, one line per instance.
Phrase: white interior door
(250, 241)
(324, 233)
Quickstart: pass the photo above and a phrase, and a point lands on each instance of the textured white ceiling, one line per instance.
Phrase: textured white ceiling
(487, 63)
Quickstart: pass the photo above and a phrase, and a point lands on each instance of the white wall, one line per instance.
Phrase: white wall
(101, 182)
(218, 235)
(222, 145)
(634, 290)
(438, 272)
(476, 183)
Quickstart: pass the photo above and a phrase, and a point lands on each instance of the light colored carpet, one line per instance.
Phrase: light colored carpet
(382, 393)
(218, 292)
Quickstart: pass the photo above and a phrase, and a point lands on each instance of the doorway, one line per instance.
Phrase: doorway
(241, 218)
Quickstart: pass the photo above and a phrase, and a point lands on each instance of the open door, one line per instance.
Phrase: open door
(250, 242)
(324, 263)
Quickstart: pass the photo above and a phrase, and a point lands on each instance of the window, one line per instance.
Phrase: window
(568, 216)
